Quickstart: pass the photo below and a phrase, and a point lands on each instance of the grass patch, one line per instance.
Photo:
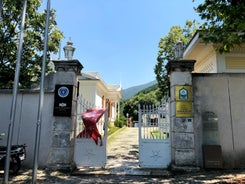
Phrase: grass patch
(159, 134)
(112, 130)
(113, 136)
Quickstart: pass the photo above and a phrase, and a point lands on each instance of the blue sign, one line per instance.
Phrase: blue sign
(63, 100)
(63, 92)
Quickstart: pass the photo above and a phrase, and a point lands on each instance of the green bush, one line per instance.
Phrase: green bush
(116, 123)
(119, 123)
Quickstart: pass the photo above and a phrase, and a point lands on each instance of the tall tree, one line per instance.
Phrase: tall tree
(166, 52)
(224, 23)
(30, 70)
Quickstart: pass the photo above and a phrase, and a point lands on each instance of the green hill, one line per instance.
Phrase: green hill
(132, 91)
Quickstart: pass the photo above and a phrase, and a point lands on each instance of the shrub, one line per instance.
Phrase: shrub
(116, 123)
(119, 123)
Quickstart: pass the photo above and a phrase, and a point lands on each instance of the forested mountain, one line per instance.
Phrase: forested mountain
(130, 92)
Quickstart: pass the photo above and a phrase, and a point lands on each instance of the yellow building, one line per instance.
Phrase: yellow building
(208, 60)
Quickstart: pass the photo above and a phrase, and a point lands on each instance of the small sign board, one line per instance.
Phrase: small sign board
(212, 157)
(210, 128)
(184, 109)
(183, 93)
(63, 100)
(183, 98)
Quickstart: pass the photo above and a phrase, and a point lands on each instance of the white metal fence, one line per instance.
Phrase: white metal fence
(86, 151)
(154, 136)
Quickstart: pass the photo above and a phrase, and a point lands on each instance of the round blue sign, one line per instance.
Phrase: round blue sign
(63, 92)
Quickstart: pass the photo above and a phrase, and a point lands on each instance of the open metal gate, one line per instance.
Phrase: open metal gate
(86, 151)
(154, 136)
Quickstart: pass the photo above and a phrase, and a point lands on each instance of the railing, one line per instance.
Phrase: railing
(82, 106)
(154, 121)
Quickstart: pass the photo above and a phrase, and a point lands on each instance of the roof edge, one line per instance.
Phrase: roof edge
(191, 43)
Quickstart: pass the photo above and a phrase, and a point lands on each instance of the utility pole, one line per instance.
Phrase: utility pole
(41, 98)
(15, 89)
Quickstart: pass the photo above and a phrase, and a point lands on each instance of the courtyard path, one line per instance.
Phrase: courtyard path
(122, 152)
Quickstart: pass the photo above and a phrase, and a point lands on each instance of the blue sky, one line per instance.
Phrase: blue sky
(119, 38)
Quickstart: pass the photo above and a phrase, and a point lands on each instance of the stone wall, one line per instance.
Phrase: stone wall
(26, 120)
(219, 117)
(57, 131)
(209, 127)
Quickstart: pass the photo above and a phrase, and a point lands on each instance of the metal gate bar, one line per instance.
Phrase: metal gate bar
(154, 136)
(86, 151)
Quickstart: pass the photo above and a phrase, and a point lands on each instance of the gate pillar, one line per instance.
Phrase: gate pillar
(181, 114)
(65, 85)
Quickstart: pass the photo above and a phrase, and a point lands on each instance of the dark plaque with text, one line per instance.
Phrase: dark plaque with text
(212, 157)
(63, 100)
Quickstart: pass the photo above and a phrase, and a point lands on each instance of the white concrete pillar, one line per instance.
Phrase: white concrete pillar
(181, 117)
(64, 124)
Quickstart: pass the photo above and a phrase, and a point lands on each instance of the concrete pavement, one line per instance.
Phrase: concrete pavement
(122, 167)
(122, 154)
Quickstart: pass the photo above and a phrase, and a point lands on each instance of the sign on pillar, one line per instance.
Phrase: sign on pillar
(183, 97)
(63, 100)
(183, 137)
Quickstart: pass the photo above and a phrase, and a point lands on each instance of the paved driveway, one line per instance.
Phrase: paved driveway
(122, 167)
(123, 151)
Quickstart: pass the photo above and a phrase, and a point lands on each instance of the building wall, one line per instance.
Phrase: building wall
(223, 95)
(233, 63)
(113, 111)
(94, 93)
(88, 92)
(98, 99)
(25, 122)
(206, 62)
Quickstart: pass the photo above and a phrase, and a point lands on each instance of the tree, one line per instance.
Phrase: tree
(166, 53)
(130, 106)
(30, 69)
(224, 23)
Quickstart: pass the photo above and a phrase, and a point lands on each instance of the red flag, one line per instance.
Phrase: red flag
(90, 118)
